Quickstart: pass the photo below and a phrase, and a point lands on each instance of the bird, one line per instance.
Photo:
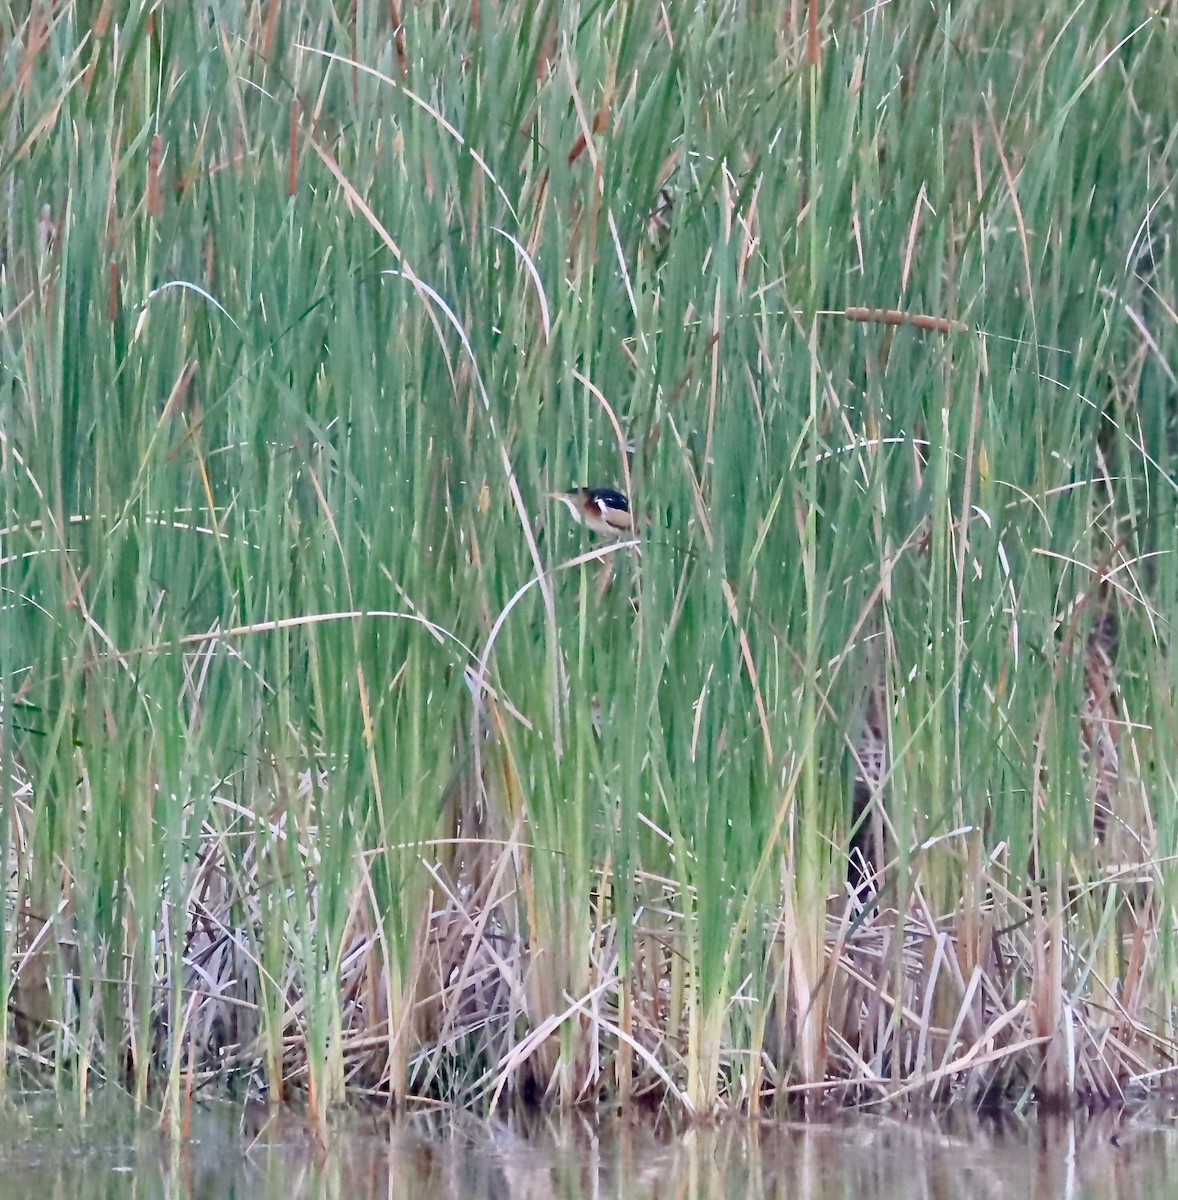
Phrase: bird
(604, 510)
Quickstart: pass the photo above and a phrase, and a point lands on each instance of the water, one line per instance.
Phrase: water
(46, 1151)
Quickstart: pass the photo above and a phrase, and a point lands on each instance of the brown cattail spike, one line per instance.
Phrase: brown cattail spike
(292, 169)
(155, 204)
(895, 316)
(398, 37)
(113, 307)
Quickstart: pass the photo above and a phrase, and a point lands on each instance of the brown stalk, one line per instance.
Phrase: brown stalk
(113, 307)
(292, 171)
(155, 204)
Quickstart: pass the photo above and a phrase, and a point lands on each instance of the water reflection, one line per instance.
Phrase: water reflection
(46, 1150)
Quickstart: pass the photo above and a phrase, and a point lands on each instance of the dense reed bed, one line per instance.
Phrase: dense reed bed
(339, 761)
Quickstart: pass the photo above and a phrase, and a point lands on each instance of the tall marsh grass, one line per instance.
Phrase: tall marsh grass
(338, 761)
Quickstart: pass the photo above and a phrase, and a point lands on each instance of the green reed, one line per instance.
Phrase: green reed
(314, 722)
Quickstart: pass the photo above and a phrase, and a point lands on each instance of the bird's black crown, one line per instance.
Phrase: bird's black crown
(608, 498)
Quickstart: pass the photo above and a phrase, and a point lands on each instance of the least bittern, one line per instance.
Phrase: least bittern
(603, 510)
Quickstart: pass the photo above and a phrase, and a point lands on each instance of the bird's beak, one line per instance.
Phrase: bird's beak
(570, 501)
